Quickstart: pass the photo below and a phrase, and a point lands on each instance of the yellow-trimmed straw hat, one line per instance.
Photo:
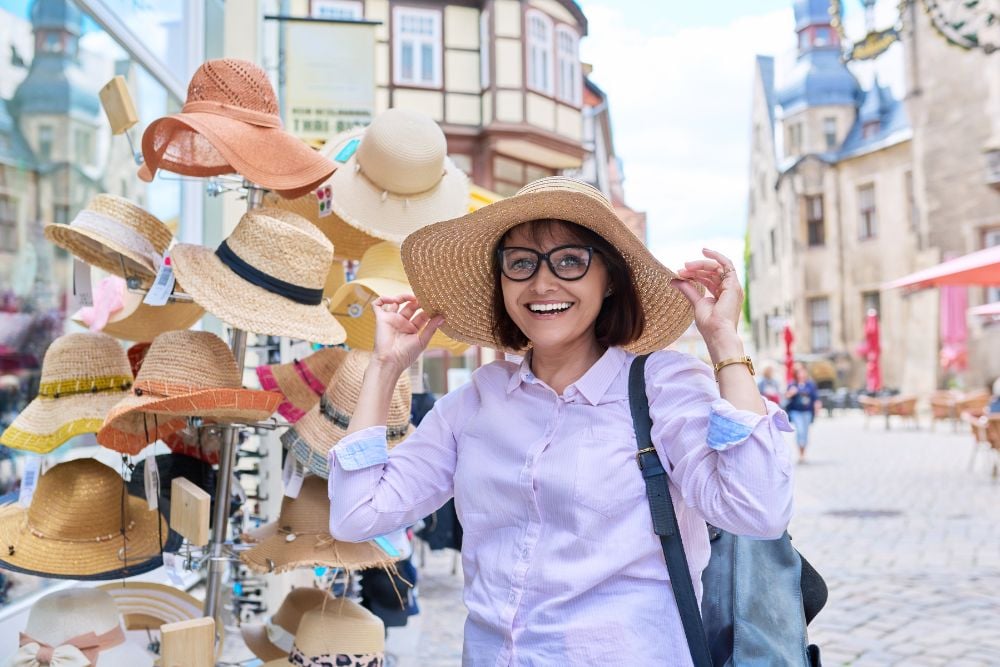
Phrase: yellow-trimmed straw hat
(342, 632)
(380, 274)
(450, 264)
(83, 376)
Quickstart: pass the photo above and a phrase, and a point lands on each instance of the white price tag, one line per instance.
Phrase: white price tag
(82, 288)
(32, 471)
(159, 293)
(292, 475)
(151, 476)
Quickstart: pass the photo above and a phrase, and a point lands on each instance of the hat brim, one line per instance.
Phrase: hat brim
(312, 438)
(348, 241)
(232, 146)
(104, 252)
(245, 306)
(141, 323)
(450, 266)
(361, 329)
(91, 560)
(47, 423)
(299, 397)
(148, 605)
(255, 637)
(305, 551)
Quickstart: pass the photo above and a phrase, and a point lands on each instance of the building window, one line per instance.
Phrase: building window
(819, 324)
(510, 175)
(484, 49)
(871, 301)
(540, 75)
(8, 224)
(60, 214)
(45, 139)
(773, 237)
(794, 138)
(870, 129)
(568, 55)
(830, 132)
(83, 140)
(341, 10)
(867, 221)
(417, 42)
(992, 238)
(815, 228)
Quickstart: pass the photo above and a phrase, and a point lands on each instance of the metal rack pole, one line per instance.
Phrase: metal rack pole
(218, 562)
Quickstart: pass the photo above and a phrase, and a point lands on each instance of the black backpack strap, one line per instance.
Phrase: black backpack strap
(664, 520)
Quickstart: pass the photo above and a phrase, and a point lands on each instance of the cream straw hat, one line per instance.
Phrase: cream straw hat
(273, 640)
(267, 277)
(341, 633)
(313, 436)
(184, 374)
(83, 376)
(113, 231)
(380, 274)
(301, 537)
(302, 381)
(140, 322)
(450, 264)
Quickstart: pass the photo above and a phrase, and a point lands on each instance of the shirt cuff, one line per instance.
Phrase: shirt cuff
(362, 449)
(728, 426)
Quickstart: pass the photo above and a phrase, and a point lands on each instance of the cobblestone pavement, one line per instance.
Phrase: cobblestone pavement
(907, 537)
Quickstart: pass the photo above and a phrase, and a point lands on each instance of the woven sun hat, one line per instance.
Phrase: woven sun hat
(115, 235)
(229, 124)
(273, 640)
(267, 277)
(140, 322)
(450, 264)
(302, 381)
(301, 537)
(380, 274)
(342, 632)
(83, 376)
(184, 374)
(81, 524)
(313, 436)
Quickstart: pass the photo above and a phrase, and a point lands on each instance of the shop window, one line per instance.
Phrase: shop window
(484, 49)
(867, 218)
(568, 54)
(539, 45)
(417, 47)
(815, 225)
(8, 224)
(819, 324)
(341, 10)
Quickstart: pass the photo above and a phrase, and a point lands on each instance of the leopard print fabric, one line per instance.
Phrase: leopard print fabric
(341, 660)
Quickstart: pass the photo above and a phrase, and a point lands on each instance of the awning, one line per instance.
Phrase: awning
(978, 268)
(986, 310)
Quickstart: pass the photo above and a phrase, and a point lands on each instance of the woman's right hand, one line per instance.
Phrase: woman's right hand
(402, 331)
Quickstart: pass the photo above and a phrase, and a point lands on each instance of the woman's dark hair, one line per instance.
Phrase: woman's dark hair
(620, 320)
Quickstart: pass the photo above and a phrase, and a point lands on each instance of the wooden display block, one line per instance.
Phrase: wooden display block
(188, 643)
(118, 105)
(190, 507)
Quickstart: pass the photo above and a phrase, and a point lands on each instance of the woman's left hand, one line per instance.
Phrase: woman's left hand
(718, 311)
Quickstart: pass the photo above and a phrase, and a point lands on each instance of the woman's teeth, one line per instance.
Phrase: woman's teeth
(548, 307)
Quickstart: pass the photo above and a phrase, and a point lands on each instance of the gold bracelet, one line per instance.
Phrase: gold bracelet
(735, 360)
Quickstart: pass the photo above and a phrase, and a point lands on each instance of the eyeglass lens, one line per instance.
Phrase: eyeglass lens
(566, 262)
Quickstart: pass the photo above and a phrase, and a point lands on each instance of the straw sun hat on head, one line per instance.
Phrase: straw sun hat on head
(184, 374)
(81, 525)
(313, 436)
(273, 640)
(301, 382)
(301, 537)
(450, 264)
(230, 124)
(112, 232)
(341, 633)
(380, 274)
(268, 277)
(83, 376)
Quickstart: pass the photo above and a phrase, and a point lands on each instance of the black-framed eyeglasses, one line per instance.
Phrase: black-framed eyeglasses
(567, 262)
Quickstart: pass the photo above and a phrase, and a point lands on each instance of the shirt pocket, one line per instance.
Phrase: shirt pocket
(608, 480)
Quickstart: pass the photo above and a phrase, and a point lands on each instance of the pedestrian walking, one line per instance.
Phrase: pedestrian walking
(768, 384)
(803, 405)
(560, 560)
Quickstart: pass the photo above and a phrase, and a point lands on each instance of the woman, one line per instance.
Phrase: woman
(802, 405)
(768, 384)
(561, 564)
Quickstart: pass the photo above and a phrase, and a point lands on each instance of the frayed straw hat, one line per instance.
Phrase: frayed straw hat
(450, 264)
(114, 234)
(184, 374)
(313, 436)
(140, 322)
(267, 277)
(83, 376)
(342, 632)
(301, 537)
(230, 124)
(273, 640)
(301, 382)
(82, 524)
(380, 274)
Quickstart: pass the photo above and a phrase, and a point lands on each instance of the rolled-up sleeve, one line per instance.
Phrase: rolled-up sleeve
(374, 490)
(730, 465)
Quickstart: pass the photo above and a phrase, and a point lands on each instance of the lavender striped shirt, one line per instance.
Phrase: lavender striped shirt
(560, 560)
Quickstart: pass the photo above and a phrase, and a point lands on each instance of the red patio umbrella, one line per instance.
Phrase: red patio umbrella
(977, 268)
(789, 356)
(873, 352)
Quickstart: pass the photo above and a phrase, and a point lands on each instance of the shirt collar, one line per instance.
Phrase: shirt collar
(592, 386)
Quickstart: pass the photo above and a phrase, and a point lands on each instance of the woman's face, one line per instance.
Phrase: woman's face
(550, 311)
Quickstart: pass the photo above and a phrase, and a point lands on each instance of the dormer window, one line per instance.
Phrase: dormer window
(540, 61)
(870, 129)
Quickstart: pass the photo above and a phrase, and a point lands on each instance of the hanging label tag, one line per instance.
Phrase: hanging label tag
(324, 200)
(348, 150)
(151, 476)
(29, 480)
(82, 289)
(173, 565)
(159, 293)
(386, 546)
(292, 476)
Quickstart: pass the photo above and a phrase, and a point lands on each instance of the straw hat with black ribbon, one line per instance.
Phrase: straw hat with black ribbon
(380, 274)
(184, 374)
(273, 640)
(451, 264)
(301, 537)
(341, 632)
(84, 375)
(115, 235)
(230, 124)
(312, 437)
(82, 524)
(302, 381)
(267, 277)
